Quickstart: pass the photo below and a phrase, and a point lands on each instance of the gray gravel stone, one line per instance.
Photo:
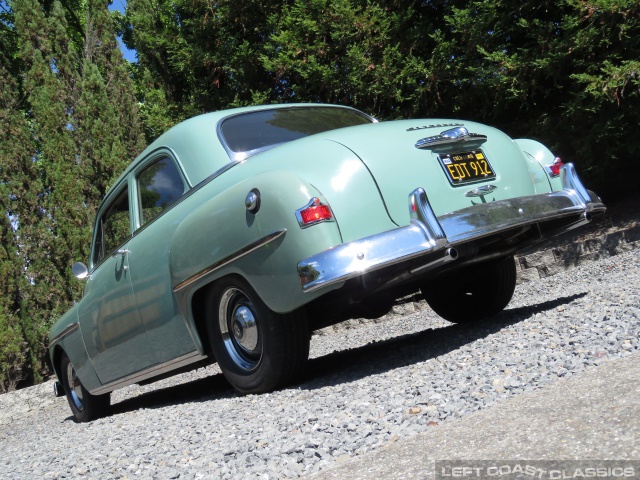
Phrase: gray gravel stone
(368, 386)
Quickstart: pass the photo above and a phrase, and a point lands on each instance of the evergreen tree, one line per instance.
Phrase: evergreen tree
(41, 281)
(360, 53)
(109, 131)
(14, 154)
(198, 56)
(80, 129)
(563, 72)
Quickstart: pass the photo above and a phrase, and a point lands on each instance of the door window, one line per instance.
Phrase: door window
(114, 227)
(159, 186)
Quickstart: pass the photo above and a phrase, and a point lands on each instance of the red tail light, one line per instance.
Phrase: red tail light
(314, 212)
(554, 168)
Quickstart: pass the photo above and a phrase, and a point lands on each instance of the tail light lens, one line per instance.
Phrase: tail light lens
(314, 212)
(554, 168)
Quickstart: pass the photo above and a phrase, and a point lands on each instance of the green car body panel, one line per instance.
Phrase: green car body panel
(139, 317)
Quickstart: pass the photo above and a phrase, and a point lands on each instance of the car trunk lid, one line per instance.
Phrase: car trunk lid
(481, 165)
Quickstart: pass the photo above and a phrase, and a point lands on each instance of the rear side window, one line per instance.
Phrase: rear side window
(114, 227)
(159, 186)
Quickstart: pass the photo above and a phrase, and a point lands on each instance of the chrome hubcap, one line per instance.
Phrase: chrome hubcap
(239, 329)
(75, 387)
(245, 330)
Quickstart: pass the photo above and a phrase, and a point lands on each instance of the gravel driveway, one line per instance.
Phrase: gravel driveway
(366, 387)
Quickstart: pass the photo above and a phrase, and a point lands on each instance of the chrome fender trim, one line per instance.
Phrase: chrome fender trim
(428, 234)
(231, 258)
(58, 338)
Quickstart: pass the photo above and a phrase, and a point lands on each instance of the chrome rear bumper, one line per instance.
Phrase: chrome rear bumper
(428, 234)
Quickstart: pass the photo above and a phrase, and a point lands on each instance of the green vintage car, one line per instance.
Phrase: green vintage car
(237, 233)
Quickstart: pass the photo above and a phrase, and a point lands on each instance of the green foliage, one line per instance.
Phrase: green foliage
(12, 355)
(563, 72)
(72, 126)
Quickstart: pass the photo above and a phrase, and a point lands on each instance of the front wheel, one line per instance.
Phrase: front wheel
(257, 349)
(471, 294)
(84, 406)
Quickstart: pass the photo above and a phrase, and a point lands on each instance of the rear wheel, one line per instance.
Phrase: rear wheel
(257, 349)
(84, 406)
(472, 294)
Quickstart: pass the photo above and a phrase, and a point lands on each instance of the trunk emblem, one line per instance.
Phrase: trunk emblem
(453, 135)
(481, 191)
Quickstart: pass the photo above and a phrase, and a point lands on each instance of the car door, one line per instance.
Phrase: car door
(159, 184)
(111, 326)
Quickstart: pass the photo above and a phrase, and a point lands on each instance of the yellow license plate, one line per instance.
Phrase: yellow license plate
(466, 167)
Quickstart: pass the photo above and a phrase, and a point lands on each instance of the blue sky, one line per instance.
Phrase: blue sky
(129, 55)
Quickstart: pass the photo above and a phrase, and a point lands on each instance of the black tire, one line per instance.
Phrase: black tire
(473, 294)
(257, 349)
(84, 406)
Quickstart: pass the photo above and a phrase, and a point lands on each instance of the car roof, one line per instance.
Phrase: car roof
(196, 143)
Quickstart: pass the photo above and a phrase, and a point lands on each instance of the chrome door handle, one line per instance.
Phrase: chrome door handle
(121, 251)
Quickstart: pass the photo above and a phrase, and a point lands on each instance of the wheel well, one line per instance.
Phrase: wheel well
(200, 315)
(57, 359)
(200, 309)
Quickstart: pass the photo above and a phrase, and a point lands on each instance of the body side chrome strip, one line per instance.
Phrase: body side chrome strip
(70, 329)
(149, 372)
(184, 289)
(234, 256)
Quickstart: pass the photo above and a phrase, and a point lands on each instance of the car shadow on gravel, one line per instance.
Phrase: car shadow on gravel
(214, 387)
(353, 364)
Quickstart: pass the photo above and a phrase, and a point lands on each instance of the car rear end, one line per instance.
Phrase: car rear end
(459, 192)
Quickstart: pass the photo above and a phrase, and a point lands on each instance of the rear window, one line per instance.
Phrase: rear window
(267, 128)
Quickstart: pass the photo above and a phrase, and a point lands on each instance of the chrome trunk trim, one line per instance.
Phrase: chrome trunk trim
(481, 191)
(428, 234)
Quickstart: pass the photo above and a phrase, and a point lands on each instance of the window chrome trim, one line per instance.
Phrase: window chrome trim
(108, 202)
(148, 163)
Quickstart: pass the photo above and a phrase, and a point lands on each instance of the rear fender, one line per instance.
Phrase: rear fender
(221, 237)
(538, 156)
